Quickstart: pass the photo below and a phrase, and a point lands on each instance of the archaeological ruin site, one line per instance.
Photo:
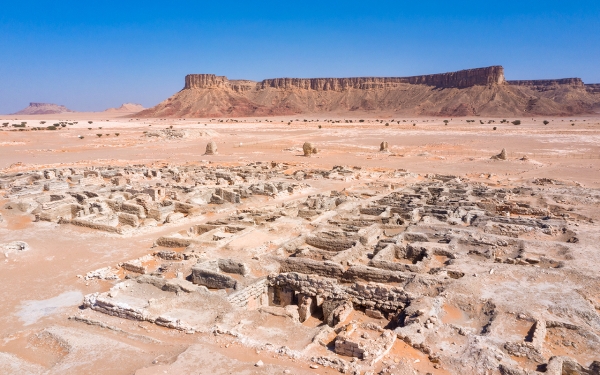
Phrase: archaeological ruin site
(441, 224)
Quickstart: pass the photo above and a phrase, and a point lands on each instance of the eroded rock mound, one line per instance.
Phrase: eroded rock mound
(309, 149)
(500, 156)
(211, 148)
(43, 109)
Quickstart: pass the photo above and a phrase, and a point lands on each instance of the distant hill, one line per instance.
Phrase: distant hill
(472, 92)
(127, 108)
(43, 109)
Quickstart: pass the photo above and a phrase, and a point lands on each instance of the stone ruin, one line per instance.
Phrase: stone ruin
(396, 260)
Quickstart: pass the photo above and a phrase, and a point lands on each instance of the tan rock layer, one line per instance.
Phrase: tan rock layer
(463, 78)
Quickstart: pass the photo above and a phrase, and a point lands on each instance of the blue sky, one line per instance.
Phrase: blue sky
(91, 55)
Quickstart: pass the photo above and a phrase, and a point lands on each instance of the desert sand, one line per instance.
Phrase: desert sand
(130, 250)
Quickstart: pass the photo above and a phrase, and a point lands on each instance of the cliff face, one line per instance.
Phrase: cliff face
(545, 84)
(463, 78)
(482, 91)
(205, 81)
(593, 88)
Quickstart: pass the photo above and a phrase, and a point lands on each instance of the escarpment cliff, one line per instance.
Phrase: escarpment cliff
(460, 79)
(546, 84)
(481, 91)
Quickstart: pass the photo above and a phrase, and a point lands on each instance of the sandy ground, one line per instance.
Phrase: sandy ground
(557, 149)
(40, 288)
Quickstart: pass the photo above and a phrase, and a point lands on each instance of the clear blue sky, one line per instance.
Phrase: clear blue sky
(91, 55)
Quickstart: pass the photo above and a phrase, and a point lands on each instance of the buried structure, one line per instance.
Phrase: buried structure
(467, 275)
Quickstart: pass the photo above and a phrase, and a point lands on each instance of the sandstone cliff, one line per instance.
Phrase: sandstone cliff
(42, 109)
(482, 91)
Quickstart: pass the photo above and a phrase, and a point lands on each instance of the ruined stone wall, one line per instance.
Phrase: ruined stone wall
(92, 225)
(252, 296)
(309, 266)
(377, 296)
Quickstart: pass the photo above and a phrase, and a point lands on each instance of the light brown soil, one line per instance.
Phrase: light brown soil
(556, 151)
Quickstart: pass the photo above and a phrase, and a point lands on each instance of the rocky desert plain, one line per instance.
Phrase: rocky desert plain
(442, 224)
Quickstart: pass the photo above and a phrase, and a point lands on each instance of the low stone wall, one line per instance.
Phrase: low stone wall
(253, 296)
(133, 209)
(64, 211)
(331, 244)
(377, 275)
(173, 242)
(89, 224)
(128, 219)
(309, 266)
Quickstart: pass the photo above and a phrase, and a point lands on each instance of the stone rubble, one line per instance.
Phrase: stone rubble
(395, 259)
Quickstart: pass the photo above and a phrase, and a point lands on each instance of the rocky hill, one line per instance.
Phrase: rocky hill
(127, 108)
(482, 91)
(43, 109)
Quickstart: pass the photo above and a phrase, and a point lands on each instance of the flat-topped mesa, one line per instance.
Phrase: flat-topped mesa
(546, 83)
(463, 78)
(42, 109)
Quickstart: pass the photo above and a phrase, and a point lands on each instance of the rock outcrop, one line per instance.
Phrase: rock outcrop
(211, 148)
(127, 108)
(593, 88)
(308, 149)
(482, 91)
(43, 109)
(500, 156)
